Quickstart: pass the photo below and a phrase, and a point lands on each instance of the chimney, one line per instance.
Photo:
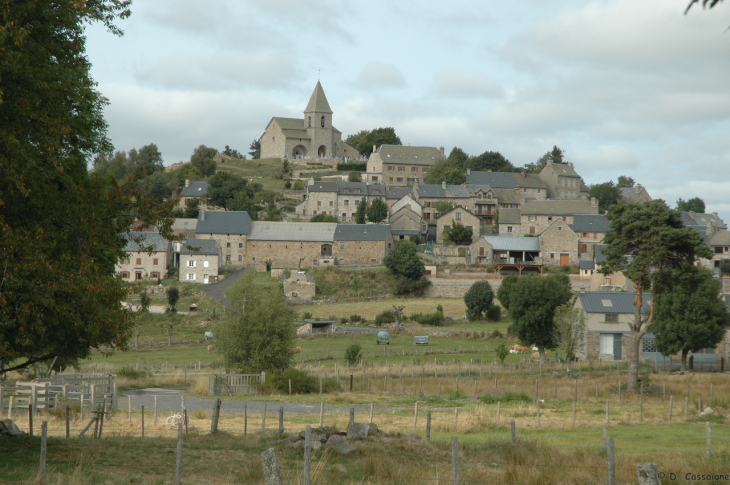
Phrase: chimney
(522, 172)
(310, 181)
(443, 184)
(375, 148)
(415, 184)
(549, 162)
(594, 202)
(714, 214)
(708, 231)
(570, 164)
(468, 171)
(443, 153)
(202, 215)
(692, 214)
(187, 182)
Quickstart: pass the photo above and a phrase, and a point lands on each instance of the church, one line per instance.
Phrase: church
(312, 137)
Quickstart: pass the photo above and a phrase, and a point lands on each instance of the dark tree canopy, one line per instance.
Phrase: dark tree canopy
(354, 177)
(255, 149)
(493, 161)
(694, 204)
(479, 299)
(364, 140)
(504, 292)
(403, 261)
(607, 195)
(231, 191)
(447, 170)
(203, 159)
(62, 230)
(361, 212)
(323, 218)
(377, 211)
(625, 181)
(533, 301)
(458, 234)
(459, 158)
(690, 315)
(232, 152)
(136, 164)
(556, 155)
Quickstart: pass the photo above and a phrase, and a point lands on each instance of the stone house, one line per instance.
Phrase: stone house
(612, 282)
(229, 229)
(586, 268)
(299, 286)
(714, 232)
(510, 222)
(184, 227)
(408, 200)
(537, 215)
(559, 244)
(481, 200)
(312, 327)
(634, 194)
(505, 250)
(457, 215)
(528, 185)
(313, 137)
(140, 264)
(607, 315)
(396, 195)
(591, 229)
(406, 222)
(199, 261)
(337, 198)
(401, 165)
(362, 243)
(562, 182)
(194, 190)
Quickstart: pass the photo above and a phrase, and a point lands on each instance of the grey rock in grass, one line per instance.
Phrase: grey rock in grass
(336, 439)
(647, 474)
(9, 428)
(343, 448)
(358, 431)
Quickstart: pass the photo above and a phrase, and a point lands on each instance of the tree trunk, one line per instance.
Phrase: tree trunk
(683, 366)
(569, 365)
(634, 349)
(541, 351)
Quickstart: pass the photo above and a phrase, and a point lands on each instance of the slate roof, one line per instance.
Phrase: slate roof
(496, 180)
(590, 223)
(703, 219)
(397, 192)
(409, 155)
(318, 101)
(205, 246)
(362, 232)
(513, 243)
(146, 239)
(195, 189)
(510, 216)
(720, 238)
(530, 181)
(628, 194)
(292, 231)
(557, 207)
(563, 169)
(351, 188)
(507, 196)
(586, 265)
(611, 302)
(451, 191)
(223, 222)
(326, 186)
(404, 232)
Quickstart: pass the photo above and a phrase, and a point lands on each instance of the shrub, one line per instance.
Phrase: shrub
(343, 321)
(352, 166)
(301, 382)
(494, 314)
(330, 386)
(502, 352)
(436, 319)
(355, 318)
(496, 334)
(353, 354)
(129, 373)
(415, 239)
(287, 185)
(386, 317)
(456, 395)
(505, 397)
(479, 300)
(307, 316)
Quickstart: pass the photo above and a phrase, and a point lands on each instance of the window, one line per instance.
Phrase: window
(489, 196)
(375, 178)
(399, 179)
(550, 218)
(125, 274)
(585, 234)
(240, 245)
(319, 203)
(205, 264)
(414, 169)
(427, 216)
(228, 258)
(342, 245)
(565, 218)
(560, 228)
(346, 191)
(424, 170)
(401, 169)
(457, 216)
(155, 261)
(240, 257)
(532, 229)
(611, 318)
(322, 122)
(138, 261)
(552, 255)
(479, 195)
(344, 216)
(606, 281)
(357, 202)
(138, 276)
(191, 263)
(481, 251)
(155, 274)
(315, 213)
(390, 179)
(228, 245)
(648, 345)
(509, 228)
(595, 235)
(718, 250)
(353, 215)
(532, 218)
(309, 122)
(330, 203)
(390, 168)
(191, 276)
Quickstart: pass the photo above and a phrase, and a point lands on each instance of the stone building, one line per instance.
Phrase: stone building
(481, 200)
(536, 216)
(457, 215)
(362, 243)
(401, 165)
(313, 137)
(528, 185)
(563, 183)
(635, 194)
(559, 244)
(229, 229)
(505, 250)
(299, 286)
(341, 199)
(194, 191)
(140, 264)
(591, 229)
(199, 261)
(406, 222)
(510, 222)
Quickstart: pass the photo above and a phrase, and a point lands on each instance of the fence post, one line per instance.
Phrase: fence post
(129, 399)
(290, 387)
(708, 440)
(307, 455)
(455, 458)
(513, 428)
(245, 421)
(607, 419)
(415, 415)
(30, 419)
(605, 434)
(142, 421)
(178, 459)
(263, 419)
(686, 407)
(456, 419)
(611, 462)
(216, 411)
(68, 421)
(281, 421)
(115, 397)
(538, 414)
(44, 450)
(321, 414)
(428, 425)
(352, 417)
(574, 414)
(154, 421)
(371, 412)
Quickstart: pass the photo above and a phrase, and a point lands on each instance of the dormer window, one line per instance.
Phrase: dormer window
(489, 196)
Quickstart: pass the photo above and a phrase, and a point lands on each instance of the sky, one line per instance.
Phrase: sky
(625, 87)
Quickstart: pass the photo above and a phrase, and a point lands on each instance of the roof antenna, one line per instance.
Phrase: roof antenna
(318, 72)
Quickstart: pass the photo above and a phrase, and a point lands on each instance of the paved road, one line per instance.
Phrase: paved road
(169, 401)
(217, 290)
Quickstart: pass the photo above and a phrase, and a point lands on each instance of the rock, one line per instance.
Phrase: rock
(707, 412)
(411, 437)
(373, 429)
(358, 431)
(8, 427)
(343, 448)
(270, 465)
(336, 439)
(647, 474)
(316, 445)
(315, 436)
(298, 444)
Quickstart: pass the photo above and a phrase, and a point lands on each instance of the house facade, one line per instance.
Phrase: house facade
(559, 244)
(457, 215)
(591, 229)
(562, 182)
(200, 260)
(505, 250)
(141, 264)
(635, 194)
(480, 200)
(341, 199)
(229, 229)
(401, 165)
(194, 191)
(537, 216)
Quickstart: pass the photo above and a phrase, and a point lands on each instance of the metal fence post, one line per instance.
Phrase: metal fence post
(455, 458)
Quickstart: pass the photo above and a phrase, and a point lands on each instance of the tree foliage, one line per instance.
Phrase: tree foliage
(494, 161)
(444, 206)
(694, 204)
(233, 153)
(533, 301)
(568, 331)
(646, 242)
(625, 181)
(403, 261)
(377, 211)
(203, 158)
(449, 170)
(690, 315)
(360, 213)
(458, 234)
(556, 155)
(232, 192)
(62, 230)
(354, 177)
(255, 149)
(173, 296)
(258, 333)
(363, 140)
(353, 354)
(479, 299)
(323, 218)
(504, 292)
(607, 195)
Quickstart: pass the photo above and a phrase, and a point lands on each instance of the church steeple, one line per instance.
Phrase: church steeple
(318, 102)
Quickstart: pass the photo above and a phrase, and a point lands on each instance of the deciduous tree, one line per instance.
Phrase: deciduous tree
(377, 211)
(230, 191)
(403, 260)
(625, 181)
(364, 140)
(493, 161)
(203, 159)
(255, 149)
(646, 242)
(695, 204)
(479, 299)
(568, 332)
(458, 234)
(360, 213)
(607, 195)
(504, 292)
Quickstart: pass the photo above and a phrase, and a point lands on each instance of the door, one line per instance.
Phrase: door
(617, 346)
(326, 250)
(605, 344)
(205, 279)
(564, 260)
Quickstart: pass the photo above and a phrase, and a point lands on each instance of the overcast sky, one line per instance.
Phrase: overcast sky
(625, 87)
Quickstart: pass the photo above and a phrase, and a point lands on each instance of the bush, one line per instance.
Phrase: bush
(479, 300)
(502, 352)
(129, 372)
(307, 316)
(386, 317)
(355, 318)
(352, 166)
(353, 354)
(496, 334)
(494, 314)
(505, 397)
(415, 239)
(435, 319)
(287, 185)
(343, 321)
(301, 382)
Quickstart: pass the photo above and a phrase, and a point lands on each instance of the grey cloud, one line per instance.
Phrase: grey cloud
(377, 75)
(188, 16)
(324, 16)
(462, 84)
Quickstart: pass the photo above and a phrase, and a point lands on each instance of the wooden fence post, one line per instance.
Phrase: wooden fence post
(178, 454)
(538, 413)
(513, 428)
(263, 419)
(428, 425)
(321, 414)
(574, 414)
(142, 421)
(68, 421)
(456, 419)
(607, 419)
(44, 450)
(245, 421)
(455, 458)
(415, 415)
(611, 461)
(708, 440)
(281, 421)
(371, 412)
(216, 412)
(154, 419)
(671, 404)
(307, 455)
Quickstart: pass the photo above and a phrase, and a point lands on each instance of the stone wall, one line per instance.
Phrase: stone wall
(147, 266)
(233, 247)
(309, 253)
(457, 215)
(559, 239)
(447, 291)
(273, 142)
(299, 289)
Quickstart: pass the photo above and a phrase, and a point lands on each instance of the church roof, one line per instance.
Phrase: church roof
(318, 102)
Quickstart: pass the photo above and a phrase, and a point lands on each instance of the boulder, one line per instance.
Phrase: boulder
(343, 448)
(315, 436)
(9, 428)
(707, 412)
(336, 439)
(358, 431)
(373, 429)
